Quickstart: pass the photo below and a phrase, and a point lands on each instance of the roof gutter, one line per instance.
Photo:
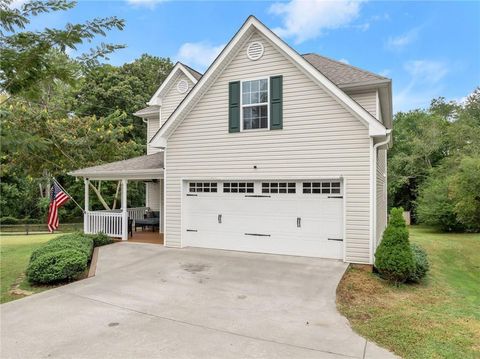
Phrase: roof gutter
(374, 191)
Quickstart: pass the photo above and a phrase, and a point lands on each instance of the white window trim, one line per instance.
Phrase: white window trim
(257, 104)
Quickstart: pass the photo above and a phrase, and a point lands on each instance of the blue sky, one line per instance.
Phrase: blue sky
(429, 49)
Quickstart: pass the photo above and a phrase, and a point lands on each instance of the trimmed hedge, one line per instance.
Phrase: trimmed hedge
(420, 260)
(393, 258)
(100, 239)
(9, 220)
(62, 258)
(62, 265)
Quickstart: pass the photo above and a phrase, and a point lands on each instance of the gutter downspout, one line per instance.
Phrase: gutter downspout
(374, 178)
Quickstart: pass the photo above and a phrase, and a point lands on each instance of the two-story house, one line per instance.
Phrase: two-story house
(268, 151)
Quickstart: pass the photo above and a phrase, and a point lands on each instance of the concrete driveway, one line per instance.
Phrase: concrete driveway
(147, 301)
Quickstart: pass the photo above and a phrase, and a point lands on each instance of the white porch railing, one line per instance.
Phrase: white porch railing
(112, 222)
(136, 213)
(108, 222)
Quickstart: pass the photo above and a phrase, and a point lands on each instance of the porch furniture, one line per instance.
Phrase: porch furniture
(151, 219)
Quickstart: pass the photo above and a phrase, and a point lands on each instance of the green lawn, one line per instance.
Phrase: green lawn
(439, 318)
(15, 252)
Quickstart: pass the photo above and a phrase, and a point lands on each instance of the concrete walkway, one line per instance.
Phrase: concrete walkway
(147, 301)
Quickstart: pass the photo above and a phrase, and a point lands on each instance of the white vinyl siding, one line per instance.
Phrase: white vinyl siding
(153, 196)
(319, 139)
(152, 127)
(368, 100)
(381, 193)
(173, 98)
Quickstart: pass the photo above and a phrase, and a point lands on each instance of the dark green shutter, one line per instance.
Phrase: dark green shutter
(276, 99)
(234, 106)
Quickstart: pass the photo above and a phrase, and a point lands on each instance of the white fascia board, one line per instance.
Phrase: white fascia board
(375, 128)
(158, 141)
(156, 98)
(127, 174)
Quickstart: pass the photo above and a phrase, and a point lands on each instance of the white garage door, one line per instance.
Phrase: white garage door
(284, 217)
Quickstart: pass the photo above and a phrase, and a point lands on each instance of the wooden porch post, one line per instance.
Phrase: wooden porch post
(87, 205)
(124, 210)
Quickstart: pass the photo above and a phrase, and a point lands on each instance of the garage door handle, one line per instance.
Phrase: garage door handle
(335, 239)
(192, 230)
(257, 195)
(257, 234)
(335, 196)
(299, 222)
(219, 218)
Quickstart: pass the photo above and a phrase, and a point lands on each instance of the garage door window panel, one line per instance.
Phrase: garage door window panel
(326, 187)
(279, 187)
(202, 187)
(238, 187)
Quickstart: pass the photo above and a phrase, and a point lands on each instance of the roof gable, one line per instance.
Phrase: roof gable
(252, 24)
(193, 75)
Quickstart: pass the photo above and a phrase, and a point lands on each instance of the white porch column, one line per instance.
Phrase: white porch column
(124, 211)
(87, 205)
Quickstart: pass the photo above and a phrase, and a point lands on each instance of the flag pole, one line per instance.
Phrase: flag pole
(64, 190)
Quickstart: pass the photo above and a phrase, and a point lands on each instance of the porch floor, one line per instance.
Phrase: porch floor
(147, 237)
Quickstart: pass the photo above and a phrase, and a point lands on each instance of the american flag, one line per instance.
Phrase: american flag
(57, 199)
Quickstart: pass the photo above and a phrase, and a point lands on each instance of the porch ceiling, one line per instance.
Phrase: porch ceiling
(138, 168)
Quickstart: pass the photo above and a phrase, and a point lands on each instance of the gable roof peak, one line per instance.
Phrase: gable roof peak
(187, 104)
(191, 74)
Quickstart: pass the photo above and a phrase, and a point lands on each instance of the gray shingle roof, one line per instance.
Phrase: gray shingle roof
(336, 71)
(340, 73)
(142, 163)
(194, 73)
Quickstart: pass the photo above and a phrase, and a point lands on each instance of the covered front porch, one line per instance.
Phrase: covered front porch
(137, 224)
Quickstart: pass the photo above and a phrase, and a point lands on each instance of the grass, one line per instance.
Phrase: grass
(14, 256)
(439, 318)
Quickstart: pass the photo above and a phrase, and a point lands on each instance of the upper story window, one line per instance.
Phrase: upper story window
(255, 104)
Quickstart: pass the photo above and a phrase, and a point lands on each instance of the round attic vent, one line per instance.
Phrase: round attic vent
(182, 86)
(255, 50)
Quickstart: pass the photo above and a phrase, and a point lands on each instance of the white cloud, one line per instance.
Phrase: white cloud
(401, 41)
(425, 71)
(425, 83)
(198, 54)
(144, 3)
(345, 61)
(305, 20)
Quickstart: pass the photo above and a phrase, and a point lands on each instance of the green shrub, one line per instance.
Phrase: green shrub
(9, 220)
(394, 258)
(55, 246)
(80, 241)
(100, 239)
(49, 264)
(421, 263)
(66, 264)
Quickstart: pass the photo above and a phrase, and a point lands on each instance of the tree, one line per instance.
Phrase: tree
(25, 58)
(419, 145)
(127, 88)
(435, 206)
(428, 147)
(465, 193)
(394, 258)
